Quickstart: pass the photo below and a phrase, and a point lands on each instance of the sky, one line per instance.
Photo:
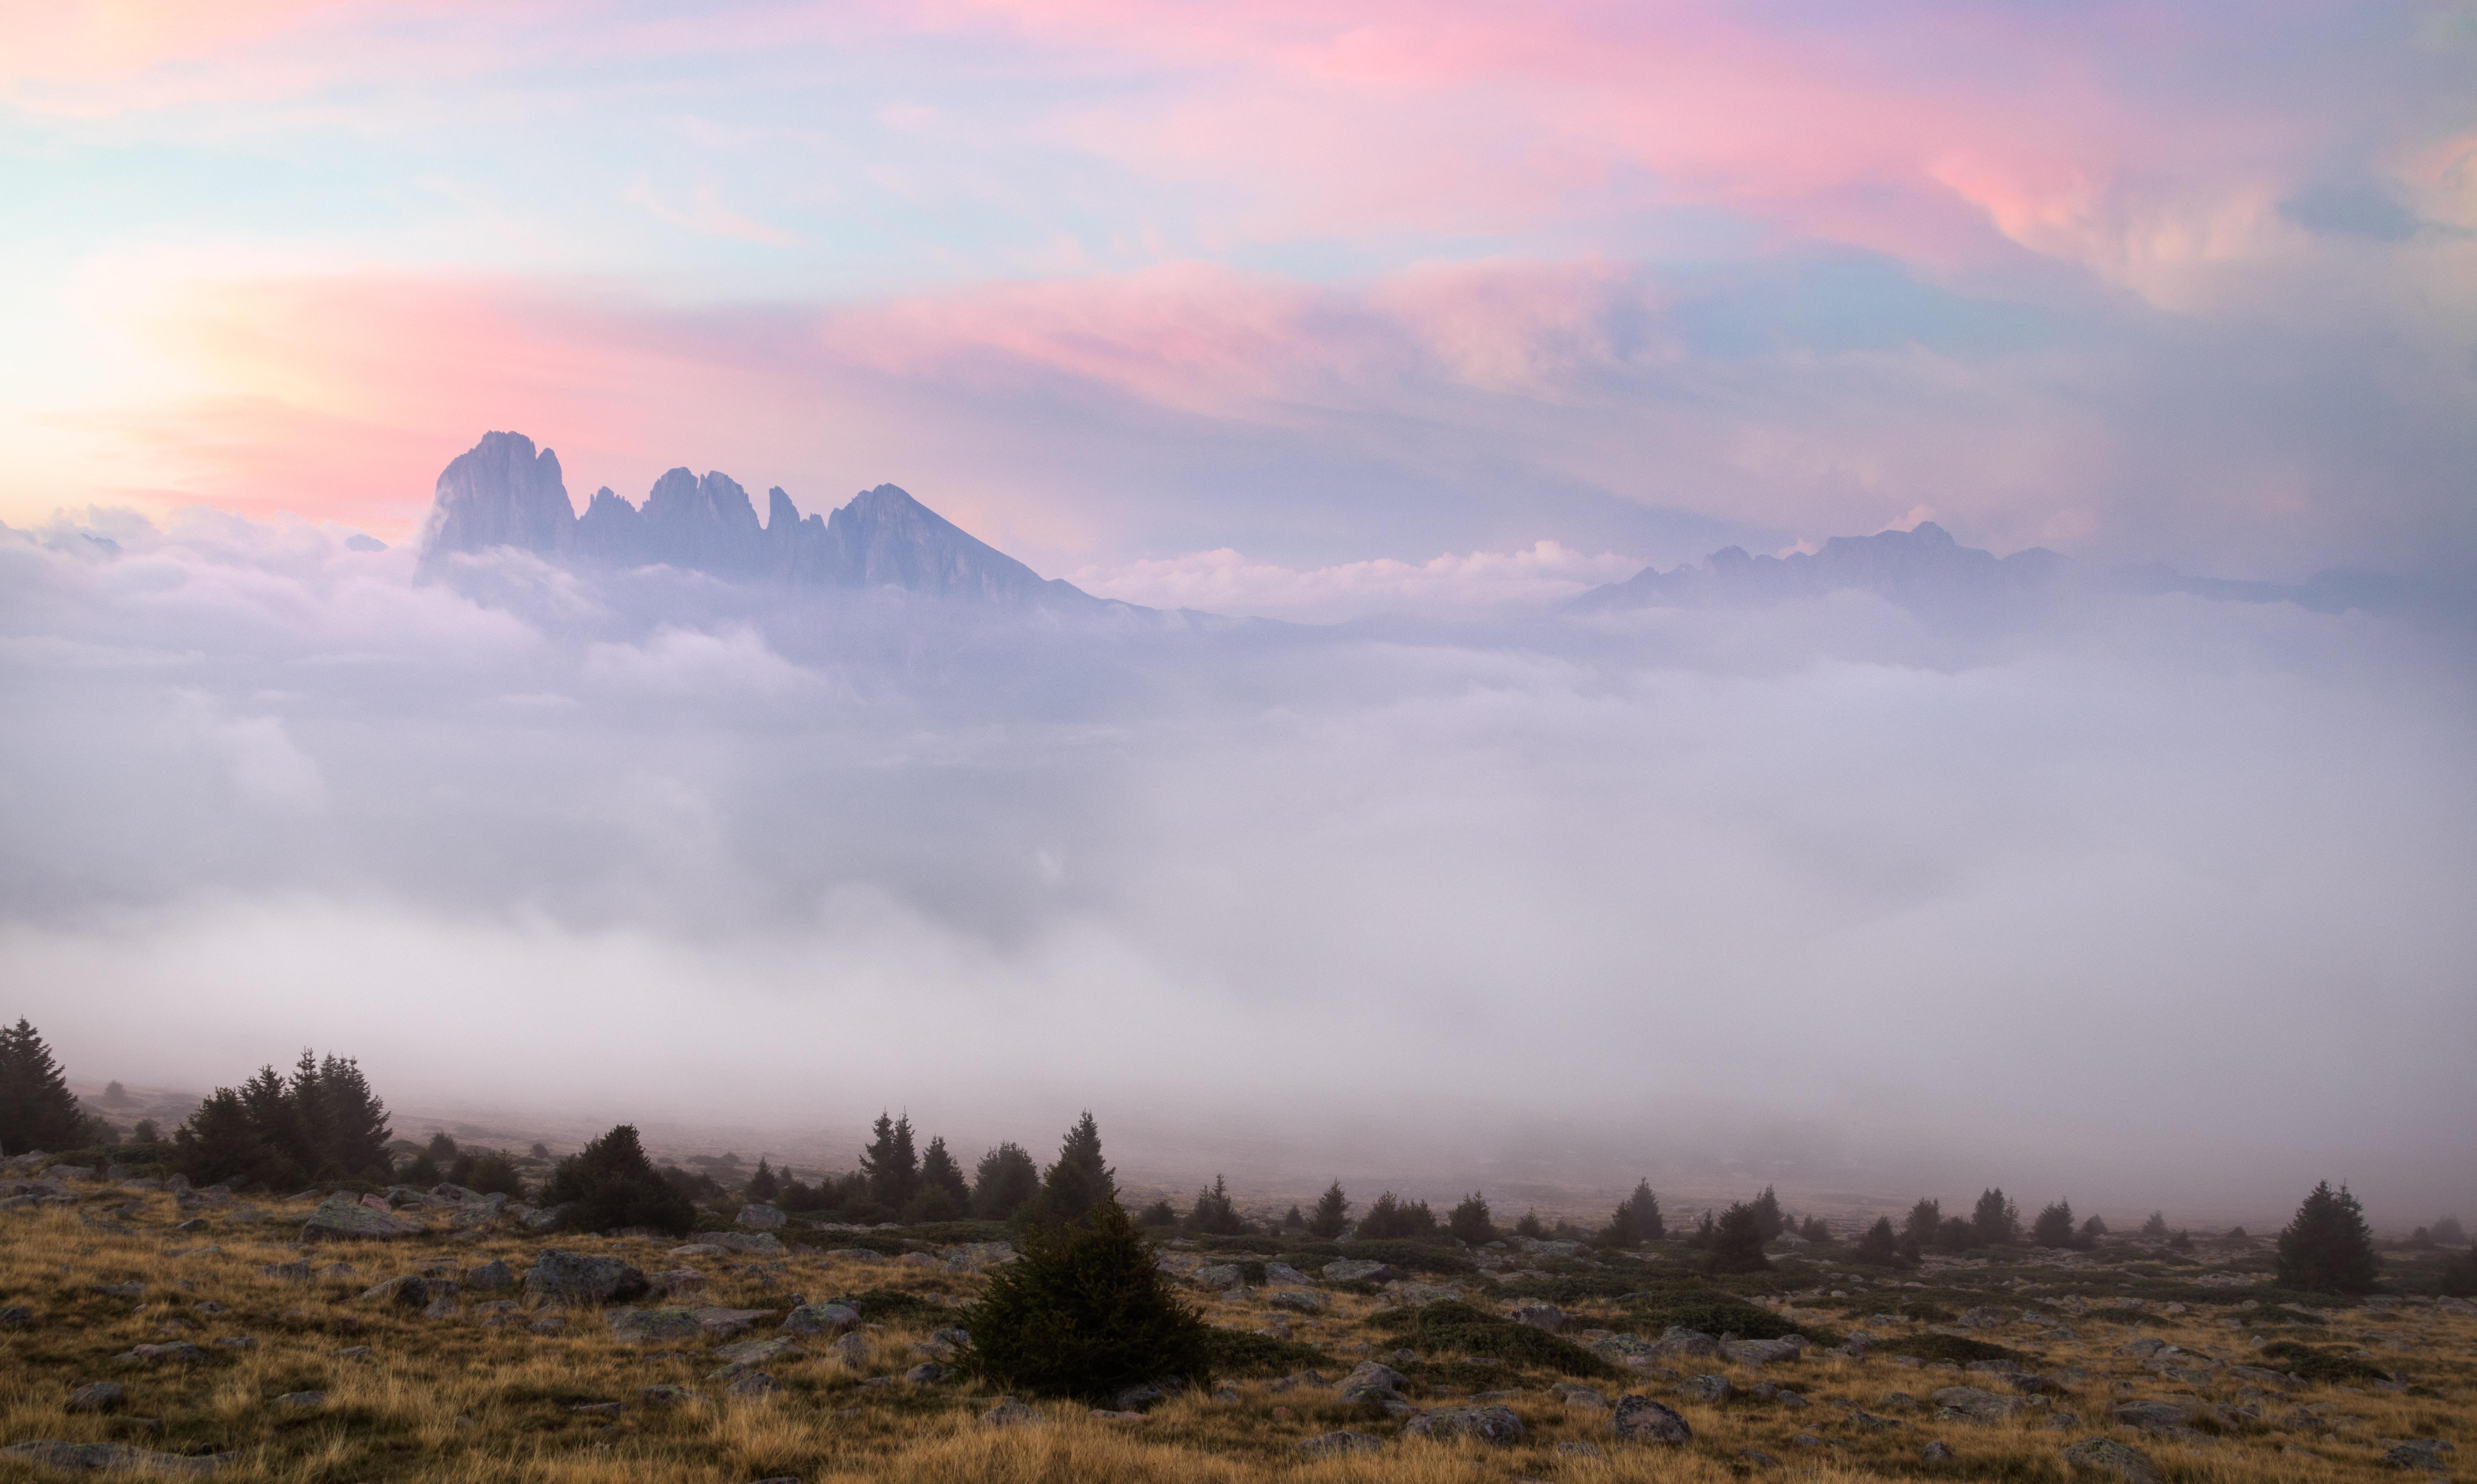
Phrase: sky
(1400, 324)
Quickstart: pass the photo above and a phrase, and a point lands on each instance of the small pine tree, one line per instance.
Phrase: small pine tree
(442, 1147)
(1392, 1218)
(540, 1150)
(1293, 1220)
(2459, 1278)
(1078, 1183)
(1816, 1230)
(1637, 1219)
(37, 1111)
(1530, 1226)
(2091, 1230)
(1332, 1215)
(1004, 1182)
(1213, 1215)
(764, 1186)
(1470, 1223)
(613, 1184)
(1925, 1222)
(1737, 1241)
(1767, 1215)
(145, 1132)
(1880, 1246)
(1997, 1222)
(2053, 1227)
(487, 1172)
(2156, 1228)
(2182, 1242)
(891, 1163)
(2448, 1233)
(1159, 1214)
(944, 1194)
(1084, 1313)
(2328, 1249)
(113, 1093)
(1958, 1233)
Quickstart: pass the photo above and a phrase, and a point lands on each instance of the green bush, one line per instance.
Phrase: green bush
(1951, 1348)
(613, 1184)
(1469, 1222)
(1737, 1241)
(1428, 1257)
(2322, 1365)
(2328, 1246)
(1715, 1313)
(2458, 1276)
(1451, 1325)
(888, 1305)
(1084, 1313)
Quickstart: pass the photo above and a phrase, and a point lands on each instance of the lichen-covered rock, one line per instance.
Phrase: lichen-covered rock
(1496, 1425)
(1370, 1381)
(345, 1218)
(1711, 1390)
(1302, 1300)
(1640, 1420)
(1284, 1275)
(1220, 1275)
(758, 1352)
(99, 1396)
(758, 1216)
(850, 1351)
(642, 1327)
(1763, 1352)
(1009, 1412)
(1332, 1445)
(820, 1318)
(1968, 1403)
(576, 1278)
(491, 1277)
(1539, 1316)
(409, 1292)
(2106, 1455)
(1354, 1270)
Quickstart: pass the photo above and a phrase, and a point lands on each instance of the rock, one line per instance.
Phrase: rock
(1299, 1300)
(2151, 1415)
(856, 1254)
(761, 1244)
(1332, 1444)
(491, 1277)
(442, 1307)
(1790, 1399)
(1968, 1403)
(2421, 1454)
(341, 1218)
(118, 1290)
(850, 1351)
(1009, 1412)
(759, 1353)
(99, 1396)
(1541, 1247)
(820, 1318)
(302, 1402)
(354, 1352)
(286, 1272)
(641, 1326)
(719, 1324)
(1573, 1447)
(1762, 1352)
(551, 1218)
(235, 1342)
(1640, 1420)
(181, 1352)
(1284, 1275)
(1626, 1349)
(754, 1386)
(1219, 1275)
(1936, 1452)
(1105, 1415)
(1574, 1395)
(1143, 1397)
(1354, 1270)
(548, 1324)
(2106, 1455)
(338, 1272)
(666, 1394)
(927, 1374)
(1711, 1390)
(759, 1215)
(1986, 1317)
(1418, 1295)
(919, 1260)
(2144, 1348)
(1539, 1316)
(409, 1292)
(1370, 1381)
(575, 1279)
(1677, 1340)
(17, 1316)
(1496, 1425)
(106, 1458)
(680, 1282)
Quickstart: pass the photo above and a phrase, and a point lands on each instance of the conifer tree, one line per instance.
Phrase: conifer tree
(1392, 1218)
(1332, 1216)
(2156, 1226)
(1006, 1180)
(1159, 1214)
(1293, 1219)
(1768, 1219)
(1079, 1182)
(891, 1163)
(1925, 1221)
(37, 1111)
(2053, 1227)
(2328, 1249)
(1637, 1219)
(1470, 1223)
(941, 1196)
(1213, 1215)
(764, 1186)
(1737, 1241)
(1880, 1246)
(611, 1183)
(1996, 1222)
(1530, 1226)
(1084, 1311)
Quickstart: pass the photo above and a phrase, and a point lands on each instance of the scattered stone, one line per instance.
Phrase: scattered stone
(1496, 1425)
(1936, 1452)
(99, 1396)
(1762, 1352)
(1332, 1444)
(598, 1408)
(1640, 1420)
(1970, 1404)
(850, 1351)
(666, 1394)
(1369, 1381)
(1220, 1275)
(342, 1219)
(2152, 1416)
(1576, 1395)
(1810, 1439)
(576, 1278)
(1539, 1316)
(1575, 1447)
(758, 1216)
(302, 1402)
(1300, 1300)
(756, 1386)
(927, 1374)
(2424, 1453)
(180, 1350)
(548, 1324)
(354, 1352)
(1009, 1412)
(1354, 1270)
(1284, 1275)
(410, 1293)
(106, 1458)
(758, 1352)
(2106, 1455)
(491, 1277)
(644, 1326)
(235, 1342)
(1711, 1390)
(820, 1318)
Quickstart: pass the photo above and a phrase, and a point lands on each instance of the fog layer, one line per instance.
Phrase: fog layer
(2166, 895)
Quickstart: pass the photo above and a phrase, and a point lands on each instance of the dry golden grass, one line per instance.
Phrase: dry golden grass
(454, 1399)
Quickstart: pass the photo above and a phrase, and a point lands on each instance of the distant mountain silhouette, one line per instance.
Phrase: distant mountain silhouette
(1923, 569)
(503, 492)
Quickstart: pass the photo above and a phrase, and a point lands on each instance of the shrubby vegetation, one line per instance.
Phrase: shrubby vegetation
(1084, 1312)
(613, 1185)
(2327, 1247)
(324, 1122)
(37, 1111)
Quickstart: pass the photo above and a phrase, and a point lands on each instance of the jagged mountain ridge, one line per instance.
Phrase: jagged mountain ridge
(505, 493)
(1921, 568)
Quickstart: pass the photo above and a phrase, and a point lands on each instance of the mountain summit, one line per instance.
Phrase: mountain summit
(1923, 569)
(502, 493)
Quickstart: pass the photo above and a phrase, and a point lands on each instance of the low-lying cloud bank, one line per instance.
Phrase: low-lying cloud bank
(2164, 898)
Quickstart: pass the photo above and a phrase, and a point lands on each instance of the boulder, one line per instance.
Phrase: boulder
(1009, 1412)
(1370, 1381)
(107, 1458)
(926, 1373)
(2150, 1416)
(1354, 1270)
(1332, 1444)
(1220, 1275)
(579, 1279)
(1573, 1395)
(759, 1243)
(302, 1402)
(641, 1326)
(1937, 1451)
(1303, 1300)
(1496, 1425)
(491, 1277)
(754, 1386)
(1144, 1397)
(1283, 1275)
(856, 1254)
(758, 1216)
(758, 1352)
(410, 1293)
(1762, 1352)
(1640, 1420)
(1970, 1405)
(1628, 1349)
(341, 1218)
(665, 1395)
(850, 1351)
(550, 1219)
(99, 1396)
(2106, 1455)
(1678, 1341)
(180, 1353)
(1539, 1316)
(820, 1318)
(2424, 1455)
(1709, 1390)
